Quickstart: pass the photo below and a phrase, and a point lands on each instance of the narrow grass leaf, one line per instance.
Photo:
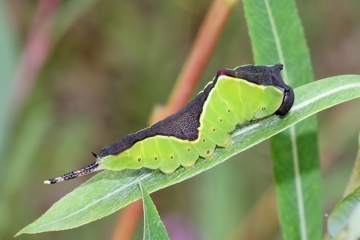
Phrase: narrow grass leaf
(9, 54)
(153, 226)
(343, 211)
(347, 211)
(353, 225)
(276, 35)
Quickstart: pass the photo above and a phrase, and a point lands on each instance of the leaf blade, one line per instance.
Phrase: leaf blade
(153, 226)
(347, 211)
(275, 31)
(342, 212)
(109, 191)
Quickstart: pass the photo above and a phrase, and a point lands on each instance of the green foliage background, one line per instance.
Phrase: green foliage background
(109, 64)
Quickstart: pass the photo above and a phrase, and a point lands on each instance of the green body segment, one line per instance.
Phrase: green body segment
(232, 101)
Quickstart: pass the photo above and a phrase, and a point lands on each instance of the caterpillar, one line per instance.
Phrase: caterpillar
(232, 98)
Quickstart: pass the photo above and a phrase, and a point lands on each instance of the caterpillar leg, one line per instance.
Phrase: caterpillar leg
(229, 142)
(168, 173)
(189, 167)
(211, 156)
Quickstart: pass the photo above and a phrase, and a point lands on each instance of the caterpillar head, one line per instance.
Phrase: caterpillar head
(268, 76)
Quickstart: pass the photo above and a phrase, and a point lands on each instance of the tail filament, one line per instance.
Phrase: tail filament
(93, 167)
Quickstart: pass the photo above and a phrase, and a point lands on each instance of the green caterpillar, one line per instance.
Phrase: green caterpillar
(233, 97)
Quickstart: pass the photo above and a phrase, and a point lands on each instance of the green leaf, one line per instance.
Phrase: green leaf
(153, 226)
(343, 211)
(276, 36)
(110, 191)
(347, 211)
(353, 230)
(9, 55)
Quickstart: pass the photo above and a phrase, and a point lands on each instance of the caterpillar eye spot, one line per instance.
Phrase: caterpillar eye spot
(263, 108)
(155, 158)
(188, 149)
(214, 129)
(171, 157)
(139, 159)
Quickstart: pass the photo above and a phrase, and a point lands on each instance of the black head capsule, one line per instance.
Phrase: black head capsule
(93, 167)
(288, 101)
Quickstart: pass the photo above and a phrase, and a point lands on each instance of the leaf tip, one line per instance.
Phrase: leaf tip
(18, 233)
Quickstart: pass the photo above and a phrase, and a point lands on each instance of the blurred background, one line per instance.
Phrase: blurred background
(78, 75)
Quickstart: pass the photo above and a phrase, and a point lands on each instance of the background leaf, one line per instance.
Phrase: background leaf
(8, 53)
(109, 191)
(275, 32)
(153, 226)
(343, 211)
(347, 211)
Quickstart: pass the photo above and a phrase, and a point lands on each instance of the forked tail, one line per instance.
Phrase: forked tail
(93, 167)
